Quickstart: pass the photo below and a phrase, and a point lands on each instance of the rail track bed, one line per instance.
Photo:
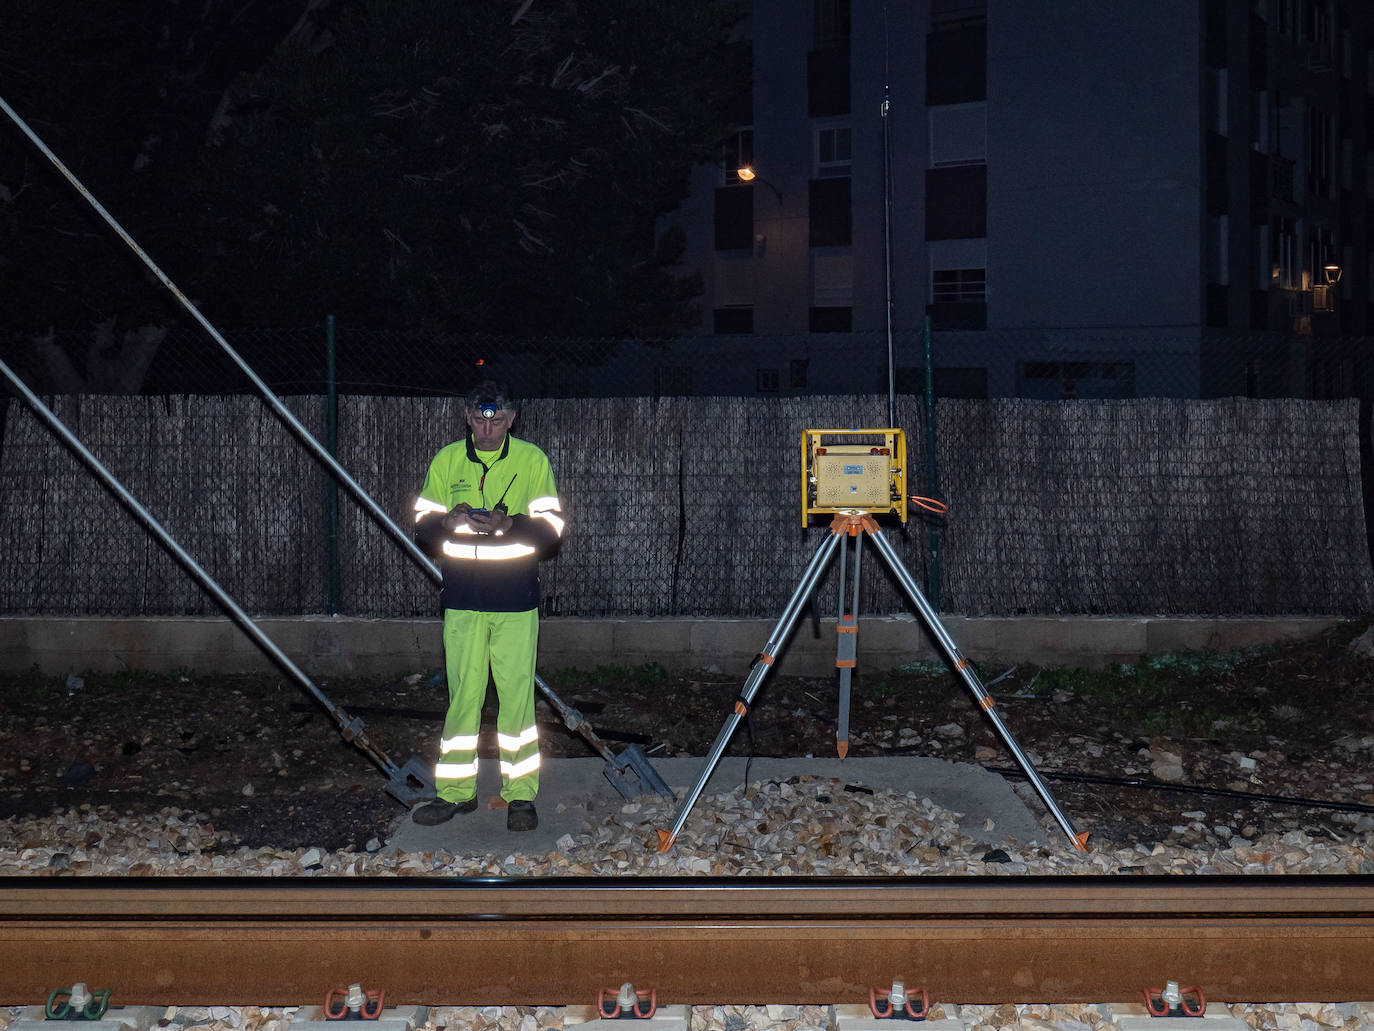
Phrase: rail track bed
(266, 941)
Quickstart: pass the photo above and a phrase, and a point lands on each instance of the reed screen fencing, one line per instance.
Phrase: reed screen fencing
(689, 506)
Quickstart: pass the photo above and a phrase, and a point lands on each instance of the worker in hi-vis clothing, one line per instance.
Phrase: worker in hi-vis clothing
(488, 511)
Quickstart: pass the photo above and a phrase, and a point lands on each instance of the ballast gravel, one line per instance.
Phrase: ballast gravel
(800, 827)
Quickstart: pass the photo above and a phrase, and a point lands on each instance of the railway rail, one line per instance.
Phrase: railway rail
(264, 941)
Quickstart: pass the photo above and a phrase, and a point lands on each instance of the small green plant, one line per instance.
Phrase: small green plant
(652, 673)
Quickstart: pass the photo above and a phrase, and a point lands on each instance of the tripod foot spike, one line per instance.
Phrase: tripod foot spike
(1080, 840)
(842, 747)
(665, 841)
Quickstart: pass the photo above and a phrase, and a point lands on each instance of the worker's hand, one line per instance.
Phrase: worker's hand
(490, 522)
(457, 516)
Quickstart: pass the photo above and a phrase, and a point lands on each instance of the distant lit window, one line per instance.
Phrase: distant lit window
(834, 151)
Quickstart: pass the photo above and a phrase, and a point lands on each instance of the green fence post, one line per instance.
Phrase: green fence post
(932, 475)
(332, 444)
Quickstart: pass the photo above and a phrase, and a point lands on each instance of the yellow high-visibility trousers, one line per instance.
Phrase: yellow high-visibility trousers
(500, 647)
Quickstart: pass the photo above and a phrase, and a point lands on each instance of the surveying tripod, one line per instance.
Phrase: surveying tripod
(853, 525)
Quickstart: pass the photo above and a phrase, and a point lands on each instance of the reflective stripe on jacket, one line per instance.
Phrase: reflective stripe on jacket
(490, 572)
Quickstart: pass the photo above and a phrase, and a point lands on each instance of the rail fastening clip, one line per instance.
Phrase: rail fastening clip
(352, 1003)
(627, 1003)
(1173, 1001)
(896, 1003)
(76, 1003)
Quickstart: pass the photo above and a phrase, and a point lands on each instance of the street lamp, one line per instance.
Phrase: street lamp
(1333, 274)
(747, 174)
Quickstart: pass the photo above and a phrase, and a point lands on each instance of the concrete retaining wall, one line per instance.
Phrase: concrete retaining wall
(344, 646)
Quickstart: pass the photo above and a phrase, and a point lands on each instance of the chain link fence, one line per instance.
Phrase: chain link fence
(1062, 364)
(1088, 473)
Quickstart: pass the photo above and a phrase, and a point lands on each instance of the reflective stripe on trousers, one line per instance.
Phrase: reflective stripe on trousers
(502, 646)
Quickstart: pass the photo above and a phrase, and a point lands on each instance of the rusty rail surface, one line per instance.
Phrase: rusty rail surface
(261, 941)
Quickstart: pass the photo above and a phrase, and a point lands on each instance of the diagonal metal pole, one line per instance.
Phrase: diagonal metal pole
(313, 445)
(781, 632)
(571, 716)
(351, 727)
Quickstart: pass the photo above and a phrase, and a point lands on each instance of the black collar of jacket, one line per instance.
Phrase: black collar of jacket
(472, 450)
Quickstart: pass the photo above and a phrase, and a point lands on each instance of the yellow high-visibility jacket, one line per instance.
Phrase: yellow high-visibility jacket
(490, 572)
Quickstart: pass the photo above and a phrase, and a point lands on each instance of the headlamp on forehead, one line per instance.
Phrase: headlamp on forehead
(489, 407)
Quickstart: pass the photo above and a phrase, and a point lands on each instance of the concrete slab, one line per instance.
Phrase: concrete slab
(665, 1018)
(861, 1018)
(1221, 1021)
(576, 791)
(116, 1018)
(1133, 1016)
(392, 1018)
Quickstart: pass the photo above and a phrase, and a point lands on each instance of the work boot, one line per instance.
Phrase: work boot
(436, 811)
(520, 816)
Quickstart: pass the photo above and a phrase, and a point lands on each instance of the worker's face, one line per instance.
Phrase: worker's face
(487, 434)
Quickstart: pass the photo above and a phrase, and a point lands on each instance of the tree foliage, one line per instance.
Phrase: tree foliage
(121, 94)
(489, 166)
(483, 165)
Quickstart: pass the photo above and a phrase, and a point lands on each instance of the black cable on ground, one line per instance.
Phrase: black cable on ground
(1190, 789)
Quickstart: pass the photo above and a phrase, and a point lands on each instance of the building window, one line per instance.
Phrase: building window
(1287, 266)
(1214, 34)
(738, 152)
(953, 12)
(955, 285)
(957, 62)
(1286, 16)
(1320, 144)
(1318, 27)
(958, 134)
(957, 202)
(766, 381)
(832, 277)
(834, 151)
(1219, 249)
(830, 220)
(827, 83)
(830, 25)
(734, 218)
(958, 284)
(733, 320)
(1217, 190)
(797, 370)
(831, 320)
(1217, 301)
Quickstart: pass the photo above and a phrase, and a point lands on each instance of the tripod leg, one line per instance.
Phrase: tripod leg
(847, 647)
(757, 672)
(980, 693)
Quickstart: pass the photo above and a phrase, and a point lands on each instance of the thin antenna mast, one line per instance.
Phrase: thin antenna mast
(887, 224)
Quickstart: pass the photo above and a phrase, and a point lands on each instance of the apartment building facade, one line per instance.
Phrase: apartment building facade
(1086, 199)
